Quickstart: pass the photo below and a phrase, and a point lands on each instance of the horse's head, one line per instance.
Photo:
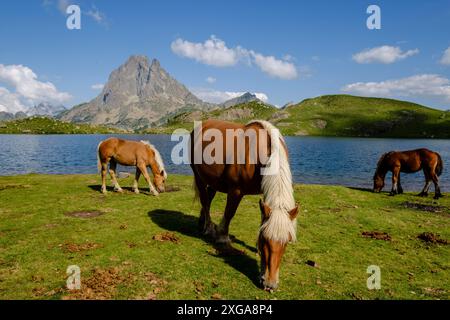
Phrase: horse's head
(155, 161)
(271, 250)
(378, 183)
(159, 179)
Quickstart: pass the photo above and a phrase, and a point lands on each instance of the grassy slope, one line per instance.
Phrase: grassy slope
(347, 116)
(358, 116)
(44, 125)
(34, 231)
(256, 110)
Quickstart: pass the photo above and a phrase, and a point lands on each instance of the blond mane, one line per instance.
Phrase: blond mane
(158, 157)
(278, 193)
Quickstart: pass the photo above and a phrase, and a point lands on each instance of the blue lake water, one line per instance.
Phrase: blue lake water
(314, 160)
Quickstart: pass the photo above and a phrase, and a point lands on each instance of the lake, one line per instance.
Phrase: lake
(314, 160)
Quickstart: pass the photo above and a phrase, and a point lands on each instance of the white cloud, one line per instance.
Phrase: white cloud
(422, 85)
(275, 67)
(10, 102)
(446, 57)
(215, 96)
(211, 80)
(97, 86)
(212, 52)
(383, 54)
(215, 52)
(29, 91)
(97, 15)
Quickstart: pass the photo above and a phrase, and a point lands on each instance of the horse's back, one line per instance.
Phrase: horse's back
(225, 175)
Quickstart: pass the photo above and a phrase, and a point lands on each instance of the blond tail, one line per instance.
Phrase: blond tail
(99, 164)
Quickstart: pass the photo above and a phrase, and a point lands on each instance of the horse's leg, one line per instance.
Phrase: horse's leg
(208, 227)
(112, 173)
(103, 173)
(143, 169)
(234, 197)
(400, 188)
(424, 192)
(136, 181)
(437, 190)
(206, 195)
(395, 175)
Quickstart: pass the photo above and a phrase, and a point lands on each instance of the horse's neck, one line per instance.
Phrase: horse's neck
(153, 166)
(382, 171)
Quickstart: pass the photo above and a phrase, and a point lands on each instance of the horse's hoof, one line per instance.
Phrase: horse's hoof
(223, 239)
(120, 190)
(392, 194)
(423, 194)
(154, 192)
(136, 191)
(437, 196)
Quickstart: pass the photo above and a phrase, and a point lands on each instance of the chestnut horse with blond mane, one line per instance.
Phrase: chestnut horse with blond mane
(237, 179)
(131, 153)
(409, 162)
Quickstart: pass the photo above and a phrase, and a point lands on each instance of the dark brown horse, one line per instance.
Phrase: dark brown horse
(131, 153)
(238, 169)
(408, 162)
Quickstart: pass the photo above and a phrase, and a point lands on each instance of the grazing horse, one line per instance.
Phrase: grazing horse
(238, 178)
(131, 153)
(409, 162)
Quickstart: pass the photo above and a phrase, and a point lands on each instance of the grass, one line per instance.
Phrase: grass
(45, 125)
(119, 259)
(336, 115)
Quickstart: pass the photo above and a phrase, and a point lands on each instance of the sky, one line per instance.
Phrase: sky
(285, 51)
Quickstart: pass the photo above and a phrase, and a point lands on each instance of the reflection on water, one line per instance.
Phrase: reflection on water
(319, 160)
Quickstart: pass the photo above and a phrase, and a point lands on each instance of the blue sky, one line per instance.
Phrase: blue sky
(287, 50)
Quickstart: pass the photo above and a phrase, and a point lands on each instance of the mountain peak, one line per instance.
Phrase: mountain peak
(246, 97)
(136, 95)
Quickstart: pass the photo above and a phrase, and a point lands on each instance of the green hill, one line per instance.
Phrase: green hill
(44, 125)
(335, 115)
(242, 113)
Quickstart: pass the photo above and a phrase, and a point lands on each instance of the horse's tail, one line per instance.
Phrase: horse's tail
(99, 164)
(440, 165)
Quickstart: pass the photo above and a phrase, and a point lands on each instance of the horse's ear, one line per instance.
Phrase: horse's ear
(265, 210)
(293, 213)
(163, 173)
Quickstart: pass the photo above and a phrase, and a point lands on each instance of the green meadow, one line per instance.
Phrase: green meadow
(132, 246)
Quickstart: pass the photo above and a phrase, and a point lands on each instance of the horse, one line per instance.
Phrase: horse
(239, 178)
(409, 162)
(131, 153)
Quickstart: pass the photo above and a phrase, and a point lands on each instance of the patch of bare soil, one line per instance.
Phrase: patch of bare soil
(166, 236)
(73, 247)
(377, 235)
(14, 186)
(426, 207)
(101, 285)
(84, 214)
(430, 237)
(172, 189)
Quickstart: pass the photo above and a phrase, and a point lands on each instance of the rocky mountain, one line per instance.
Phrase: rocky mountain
(246, 97)
(7, 116)
(46, 109)
(137, 94)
